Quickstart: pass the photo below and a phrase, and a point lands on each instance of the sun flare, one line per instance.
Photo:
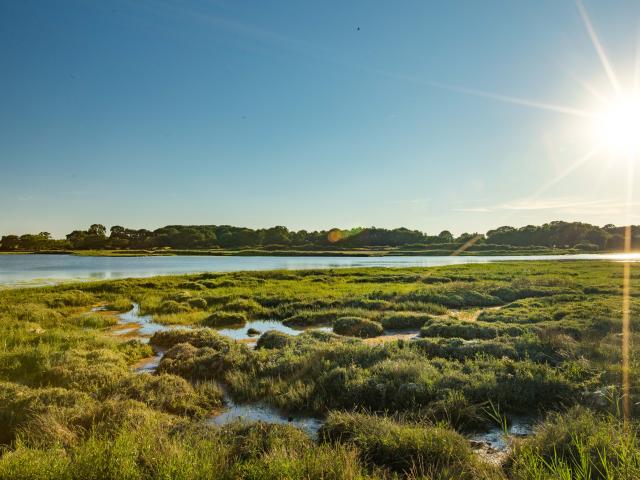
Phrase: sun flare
(618, 126)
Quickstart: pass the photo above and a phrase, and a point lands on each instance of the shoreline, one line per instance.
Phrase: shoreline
(313, 253)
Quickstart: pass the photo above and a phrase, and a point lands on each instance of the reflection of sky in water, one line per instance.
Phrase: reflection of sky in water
(519, 426)
(263, 413)
(46, 269)
(242, 333)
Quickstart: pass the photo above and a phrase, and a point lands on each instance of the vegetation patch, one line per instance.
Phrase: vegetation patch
(357, 327)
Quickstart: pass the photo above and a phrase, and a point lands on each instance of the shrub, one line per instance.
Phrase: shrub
(357, 327)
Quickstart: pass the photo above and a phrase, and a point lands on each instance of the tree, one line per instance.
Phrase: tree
(615, 242)
(97, 230)
(445, 236)
(276, 236)
(10, 242)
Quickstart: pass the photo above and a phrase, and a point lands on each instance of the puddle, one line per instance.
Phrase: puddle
(493, 445)
(264, 413)
(242, 333)
(142, 325)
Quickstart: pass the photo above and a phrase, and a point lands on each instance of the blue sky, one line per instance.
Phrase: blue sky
(304, 114)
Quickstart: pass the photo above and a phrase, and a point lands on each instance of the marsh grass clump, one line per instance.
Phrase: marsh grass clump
(18, 404)
(70, 298)
(86, 370)
(424, 450)
(93, 320)
(273, 339)
(225, 319)
(404, 320)
(451, 328)
(198, 303)
(192, 286)
(168, 393)
(201, 354)
(308, 318)
(454, 297)
(357, 327)
(578, 444)
(117, 304)
(172, 307)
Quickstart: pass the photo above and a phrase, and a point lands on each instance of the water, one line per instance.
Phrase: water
(264, 413)
(242, 333)
(519, 426)
(142, 326)
(33, 269)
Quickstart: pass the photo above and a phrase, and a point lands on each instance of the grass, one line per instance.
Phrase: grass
(536, 338)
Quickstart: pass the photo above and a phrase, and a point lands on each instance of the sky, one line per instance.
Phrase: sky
(310, 114)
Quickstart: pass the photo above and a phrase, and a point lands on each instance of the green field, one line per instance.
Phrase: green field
(493, 342)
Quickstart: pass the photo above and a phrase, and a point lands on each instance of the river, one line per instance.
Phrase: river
(17, 270)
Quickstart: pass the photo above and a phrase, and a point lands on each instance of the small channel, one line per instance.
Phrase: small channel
(142, 327)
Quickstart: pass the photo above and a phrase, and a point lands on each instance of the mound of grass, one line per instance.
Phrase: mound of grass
(579, 444)
(197, 303)
(433, 451)
(273, 339)
(225, 319)
(311, 318)
(168, 393)
(172, 306)
(404, 320)
(451, 328)
(357, 327)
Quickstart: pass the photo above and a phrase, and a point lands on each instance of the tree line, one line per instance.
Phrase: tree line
(553, 235)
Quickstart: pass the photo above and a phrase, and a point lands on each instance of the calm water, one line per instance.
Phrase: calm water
(21, 270)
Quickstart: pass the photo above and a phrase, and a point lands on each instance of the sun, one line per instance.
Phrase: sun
(617, 126)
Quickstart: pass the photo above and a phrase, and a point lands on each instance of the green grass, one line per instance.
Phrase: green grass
(535, 338)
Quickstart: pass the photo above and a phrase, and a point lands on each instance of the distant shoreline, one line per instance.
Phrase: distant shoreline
(310, 253)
